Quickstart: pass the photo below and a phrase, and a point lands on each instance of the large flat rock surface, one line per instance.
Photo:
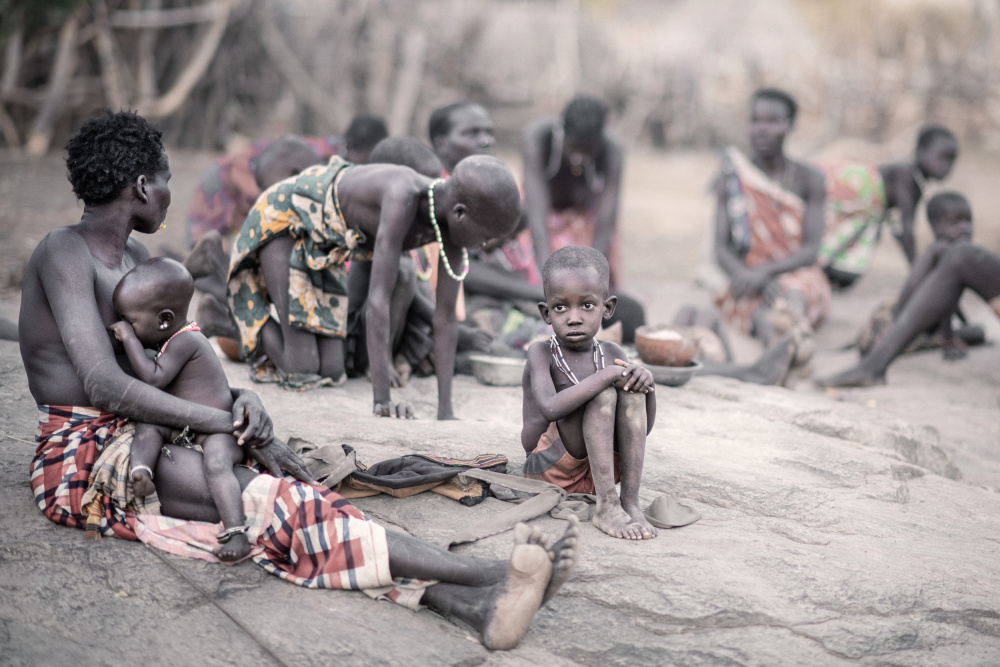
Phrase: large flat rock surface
(833, 532)
(854, 527)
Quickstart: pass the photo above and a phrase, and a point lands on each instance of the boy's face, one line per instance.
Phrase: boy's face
(937, 159)
(471, 134)
(769, 124)
(955, 225)
(576, 303)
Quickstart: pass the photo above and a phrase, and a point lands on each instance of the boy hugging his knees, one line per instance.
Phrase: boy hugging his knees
(950, 217)
(152, 300)
(294, 244)
(587, 410)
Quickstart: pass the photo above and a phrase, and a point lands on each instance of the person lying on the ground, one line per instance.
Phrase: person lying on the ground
(504, 275)
(152, 299)
(950, 218)
(859, 198)
(88, 399)
(769, 222)
(961, 265)
(294, 244)
(587, 410)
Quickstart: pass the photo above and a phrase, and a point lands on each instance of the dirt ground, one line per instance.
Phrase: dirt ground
(850, 527)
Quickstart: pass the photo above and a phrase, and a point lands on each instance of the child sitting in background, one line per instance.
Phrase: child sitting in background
(152, 300)
(587, 410)
(950, 218)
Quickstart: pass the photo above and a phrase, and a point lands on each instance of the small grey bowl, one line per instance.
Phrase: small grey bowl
(497, 371)
(673, 376)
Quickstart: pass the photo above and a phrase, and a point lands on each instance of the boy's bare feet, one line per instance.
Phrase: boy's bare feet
(647, 529)
(612, 519)
(207, 256)
(515, 600)
(236, 548)
(142, 484)
(856, 376)
(563, 555)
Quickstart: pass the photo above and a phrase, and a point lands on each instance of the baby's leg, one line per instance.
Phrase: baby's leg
(221, 454)
(592, 435)
(146, 444)
(630, 434)
(292, 350)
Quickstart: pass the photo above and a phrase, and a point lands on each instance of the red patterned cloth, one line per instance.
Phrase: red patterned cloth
(775, 216)
(549, 461)
(578, 226)
(307, 535)
(69, 441)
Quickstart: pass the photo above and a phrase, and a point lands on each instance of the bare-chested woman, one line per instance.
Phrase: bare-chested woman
(86, 392)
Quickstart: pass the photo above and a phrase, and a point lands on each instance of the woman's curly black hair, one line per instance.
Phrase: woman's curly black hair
(109, 152)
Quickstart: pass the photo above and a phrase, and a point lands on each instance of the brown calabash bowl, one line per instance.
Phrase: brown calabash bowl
(230, 347)
(660, 352)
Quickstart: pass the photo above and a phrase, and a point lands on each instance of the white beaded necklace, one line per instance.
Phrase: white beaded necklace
(437, 232)
(557, 354)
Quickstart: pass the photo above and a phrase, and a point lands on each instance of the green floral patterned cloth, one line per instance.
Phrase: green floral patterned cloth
(306, 207)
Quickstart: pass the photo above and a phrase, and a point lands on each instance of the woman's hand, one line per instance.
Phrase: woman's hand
(251, 424)
(750, 282)
(278, 458)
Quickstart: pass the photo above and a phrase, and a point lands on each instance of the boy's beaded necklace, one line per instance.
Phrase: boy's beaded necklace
(557, 356)
(437, 232)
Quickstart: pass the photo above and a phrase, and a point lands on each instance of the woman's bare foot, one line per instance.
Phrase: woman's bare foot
(772, 366)
(213, 318)
(207, 257)
(563, 555)
(615, 521)
(142, 484)
(515, 600)
(235, 549)
(647, 529)
(856, 376)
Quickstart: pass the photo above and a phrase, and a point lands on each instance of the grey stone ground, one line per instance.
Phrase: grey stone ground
(835, 531)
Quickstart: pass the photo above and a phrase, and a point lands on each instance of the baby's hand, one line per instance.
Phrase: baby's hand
(122, 330)
(635, 379)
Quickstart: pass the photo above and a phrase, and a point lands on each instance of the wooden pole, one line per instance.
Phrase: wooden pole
(65, 64)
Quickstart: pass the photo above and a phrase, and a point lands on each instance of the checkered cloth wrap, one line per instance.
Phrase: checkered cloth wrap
(309, 536)
(69, 442)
